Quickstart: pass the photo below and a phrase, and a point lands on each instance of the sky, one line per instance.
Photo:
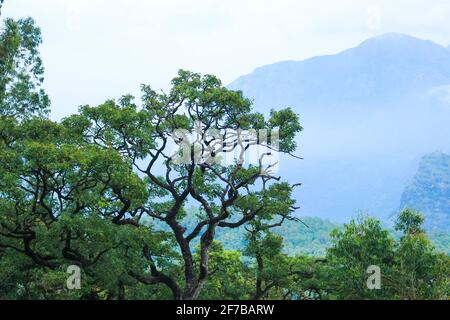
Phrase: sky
(94, 50)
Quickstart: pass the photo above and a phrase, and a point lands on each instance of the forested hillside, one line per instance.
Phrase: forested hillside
(308, 236)
(429, 192)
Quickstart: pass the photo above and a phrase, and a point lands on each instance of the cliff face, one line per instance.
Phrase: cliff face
(429, 191)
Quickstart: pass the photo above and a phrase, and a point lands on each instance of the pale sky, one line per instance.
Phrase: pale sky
(99, 49)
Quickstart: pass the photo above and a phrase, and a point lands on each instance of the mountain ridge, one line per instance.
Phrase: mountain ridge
(385, 36)
(395, 63)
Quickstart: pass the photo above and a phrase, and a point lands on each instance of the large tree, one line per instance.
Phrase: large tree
(88, 190)
(110, 167)
(229, 194)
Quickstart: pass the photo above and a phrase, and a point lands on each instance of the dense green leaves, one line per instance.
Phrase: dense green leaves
(410, 268)
(21, 70)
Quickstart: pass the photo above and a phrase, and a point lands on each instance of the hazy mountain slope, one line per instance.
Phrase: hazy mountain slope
(381, 68)
(429, 191)
(369, 113)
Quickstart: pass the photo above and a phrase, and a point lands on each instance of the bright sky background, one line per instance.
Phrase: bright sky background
(99, 49)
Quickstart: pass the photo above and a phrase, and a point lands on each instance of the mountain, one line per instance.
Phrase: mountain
(370, 113)
(429, 191)
(387, 66)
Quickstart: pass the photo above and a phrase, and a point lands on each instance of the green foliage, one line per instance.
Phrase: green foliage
(360, 244)
(76, 192)
(21, 70)
(409, 222)
(411, 268)
(231, 278)
(420, 272)
(310, 236)
(57, 201)
(288, 123)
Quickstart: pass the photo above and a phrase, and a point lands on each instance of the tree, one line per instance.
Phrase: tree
(61, 202)
(278, 275)
(230, 195)
(362, 243)
(409, 222)
(272, 269)
(420, 272)
(410, 267)
(107, 170)
(21, 70)
(110, 167)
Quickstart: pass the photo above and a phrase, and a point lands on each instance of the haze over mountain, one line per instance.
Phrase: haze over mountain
(381, 68)
(370, 113)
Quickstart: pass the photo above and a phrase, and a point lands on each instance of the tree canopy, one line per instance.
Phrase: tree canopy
(109, 188)
(86, 190)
